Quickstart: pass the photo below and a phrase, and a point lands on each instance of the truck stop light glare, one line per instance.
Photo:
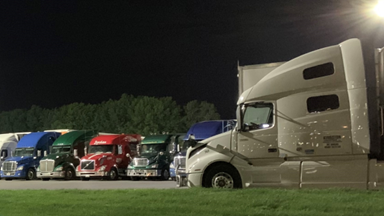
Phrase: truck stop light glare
(379, 9)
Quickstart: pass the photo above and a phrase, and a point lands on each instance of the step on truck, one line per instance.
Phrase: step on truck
(65, 155)
(108, 156)
(315, 121)
(154, 158)
(197, 132)
(28, 153)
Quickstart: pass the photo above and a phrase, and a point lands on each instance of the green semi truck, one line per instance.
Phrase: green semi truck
(155, 157)
(65, 155)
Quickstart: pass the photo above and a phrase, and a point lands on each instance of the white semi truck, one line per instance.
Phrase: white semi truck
(311, 122)
(8, 142)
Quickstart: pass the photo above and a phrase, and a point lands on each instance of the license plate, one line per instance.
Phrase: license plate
(8, 173)
(87, 176)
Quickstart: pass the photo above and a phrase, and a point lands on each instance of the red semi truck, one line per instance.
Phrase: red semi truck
(108, 156)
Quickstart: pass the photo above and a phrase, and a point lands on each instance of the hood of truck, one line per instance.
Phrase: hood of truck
(21, 159)
(98, 156)
(219, 141)
(58, 157)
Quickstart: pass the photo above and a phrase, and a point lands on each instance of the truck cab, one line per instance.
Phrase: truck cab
(108, 156)
(65, 155)
(197, 132)
(155, 157)
(8, 144)
(312, 122)
(29, 151)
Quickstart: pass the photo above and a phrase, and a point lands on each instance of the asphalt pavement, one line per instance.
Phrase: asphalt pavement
(92, 184)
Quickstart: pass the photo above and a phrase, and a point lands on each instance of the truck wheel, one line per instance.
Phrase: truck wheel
(222, 176)
(164, 174)
(31, 174)
(113, 174)
(69, 174)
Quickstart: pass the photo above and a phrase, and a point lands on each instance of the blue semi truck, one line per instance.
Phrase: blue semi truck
(199, 131)
(28, 153)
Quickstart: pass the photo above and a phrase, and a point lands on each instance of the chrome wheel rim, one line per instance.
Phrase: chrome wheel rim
(113, 174)
(30, 174)
(222, 180)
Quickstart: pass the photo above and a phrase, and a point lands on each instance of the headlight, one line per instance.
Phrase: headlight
(172, 166)
(59, 168)
(38, 169)
(1, 168)
(154, 165)
(102, 168)
(20, 167)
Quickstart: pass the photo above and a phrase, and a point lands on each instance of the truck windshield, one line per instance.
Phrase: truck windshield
(24, 152)
(152, 148)
(61, 149)
(100, 149)
(258, 116)
(186, 144)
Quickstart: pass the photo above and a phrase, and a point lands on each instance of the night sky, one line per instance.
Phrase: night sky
(54, 53)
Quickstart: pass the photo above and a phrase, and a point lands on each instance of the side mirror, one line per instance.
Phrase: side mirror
(85, 151)
(128, 155)
(38, 153)
(75, 152)
(45, 153)
(178, 148)
(1, 158)
(50, 149)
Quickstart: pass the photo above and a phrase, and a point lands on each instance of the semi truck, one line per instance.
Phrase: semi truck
(154, 158)
(65, 155)
(29, 151)
(315, 121)
(197, 132)
(108, 156)
(8, 142)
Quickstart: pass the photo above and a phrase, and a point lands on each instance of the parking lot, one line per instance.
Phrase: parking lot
(91, 185)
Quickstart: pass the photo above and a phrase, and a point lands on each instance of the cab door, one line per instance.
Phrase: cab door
(257, 141)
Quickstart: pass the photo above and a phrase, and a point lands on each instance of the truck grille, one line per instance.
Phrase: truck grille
(140, 162)
(87, 165)
(47, 165)
(9, 166)
(179, 161)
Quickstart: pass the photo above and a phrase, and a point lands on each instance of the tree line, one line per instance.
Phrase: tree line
(129, 114)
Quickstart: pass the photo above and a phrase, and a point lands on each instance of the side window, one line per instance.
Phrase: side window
(119, 149)
(322, 103)
(319, 71)
(4, 153)
(258, 116)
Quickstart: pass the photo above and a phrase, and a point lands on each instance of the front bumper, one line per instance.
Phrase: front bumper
(195, 179)
(144, 172)
(14, 174)
(57, 174)
(88, 174)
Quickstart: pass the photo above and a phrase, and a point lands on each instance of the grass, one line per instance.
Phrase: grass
(195, 201)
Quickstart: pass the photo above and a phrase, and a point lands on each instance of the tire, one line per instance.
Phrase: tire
(164, 174)
(222, 176)
(31, 174)
(45, 179)
(113, 175)
(69, 173)
(84, 179)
